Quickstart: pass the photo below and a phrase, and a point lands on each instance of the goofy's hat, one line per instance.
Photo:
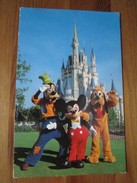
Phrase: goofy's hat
(45, 78)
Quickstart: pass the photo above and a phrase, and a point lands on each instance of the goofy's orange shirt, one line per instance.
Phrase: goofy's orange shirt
(47, 109)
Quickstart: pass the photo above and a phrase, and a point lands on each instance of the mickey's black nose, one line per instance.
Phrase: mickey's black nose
(73, 112)
(53, 93)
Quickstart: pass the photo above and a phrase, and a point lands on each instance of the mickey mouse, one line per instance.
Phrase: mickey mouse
(77, 129)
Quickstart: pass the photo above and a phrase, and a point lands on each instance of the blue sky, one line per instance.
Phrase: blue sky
(45, 37)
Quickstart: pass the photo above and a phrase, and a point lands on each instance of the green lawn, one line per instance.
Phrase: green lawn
(47, 167)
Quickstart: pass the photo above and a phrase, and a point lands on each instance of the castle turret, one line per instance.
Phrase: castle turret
(92, 84)
(59, 88)
(83, 89)
(68, 91)
(94, 73)
(75, 84)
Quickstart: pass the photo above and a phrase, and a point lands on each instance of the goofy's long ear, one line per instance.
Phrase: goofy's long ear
(105, 104)
(81, 101)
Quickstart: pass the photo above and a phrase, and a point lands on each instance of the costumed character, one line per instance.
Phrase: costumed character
(99, 106)
(77, 130)
(50, 128)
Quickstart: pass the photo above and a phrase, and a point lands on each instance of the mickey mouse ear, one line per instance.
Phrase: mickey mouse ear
(81, 101)
(60, 105)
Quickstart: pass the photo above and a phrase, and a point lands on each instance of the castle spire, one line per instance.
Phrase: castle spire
(63, 66)
(93, 55)
(59, 88)
(75, 45)
(113, 86)
(75, 34)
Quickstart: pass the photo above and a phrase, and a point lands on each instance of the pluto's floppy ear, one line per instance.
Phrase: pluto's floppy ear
(105, 103)
(81, 101)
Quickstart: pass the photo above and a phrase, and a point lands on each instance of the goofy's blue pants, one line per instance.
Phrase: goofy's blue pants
(44, 137)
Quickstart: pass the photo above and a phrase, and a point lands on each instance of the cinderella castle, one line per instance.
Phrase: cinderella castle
(80, 77)
(77, 76)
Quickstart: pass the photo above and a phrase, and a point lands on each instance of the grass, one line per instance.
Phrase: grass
(46, 166)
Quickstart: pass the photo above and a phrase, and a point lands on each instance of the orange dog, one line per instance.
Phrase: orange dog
(98, 106)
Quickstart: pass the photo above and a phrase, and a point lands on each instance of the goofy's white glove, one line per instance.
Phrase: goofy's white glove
(51, 125)
(44, 87)
(93, 131)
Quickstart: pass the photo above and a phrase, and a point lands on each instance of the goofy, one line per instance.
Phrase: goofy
(51, 127)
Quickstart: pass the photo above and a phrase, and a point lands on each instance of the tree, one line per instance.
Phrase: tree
(113, 119)
(34, 113)
(22, 80)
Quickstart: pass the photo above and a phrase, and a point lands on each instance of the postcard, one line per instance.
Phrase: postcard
(69, 117)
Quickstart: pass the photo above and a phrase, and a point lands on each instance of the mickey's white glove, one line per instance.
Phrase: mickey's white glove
(51, 125)
(94, 132)
(44, 88)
